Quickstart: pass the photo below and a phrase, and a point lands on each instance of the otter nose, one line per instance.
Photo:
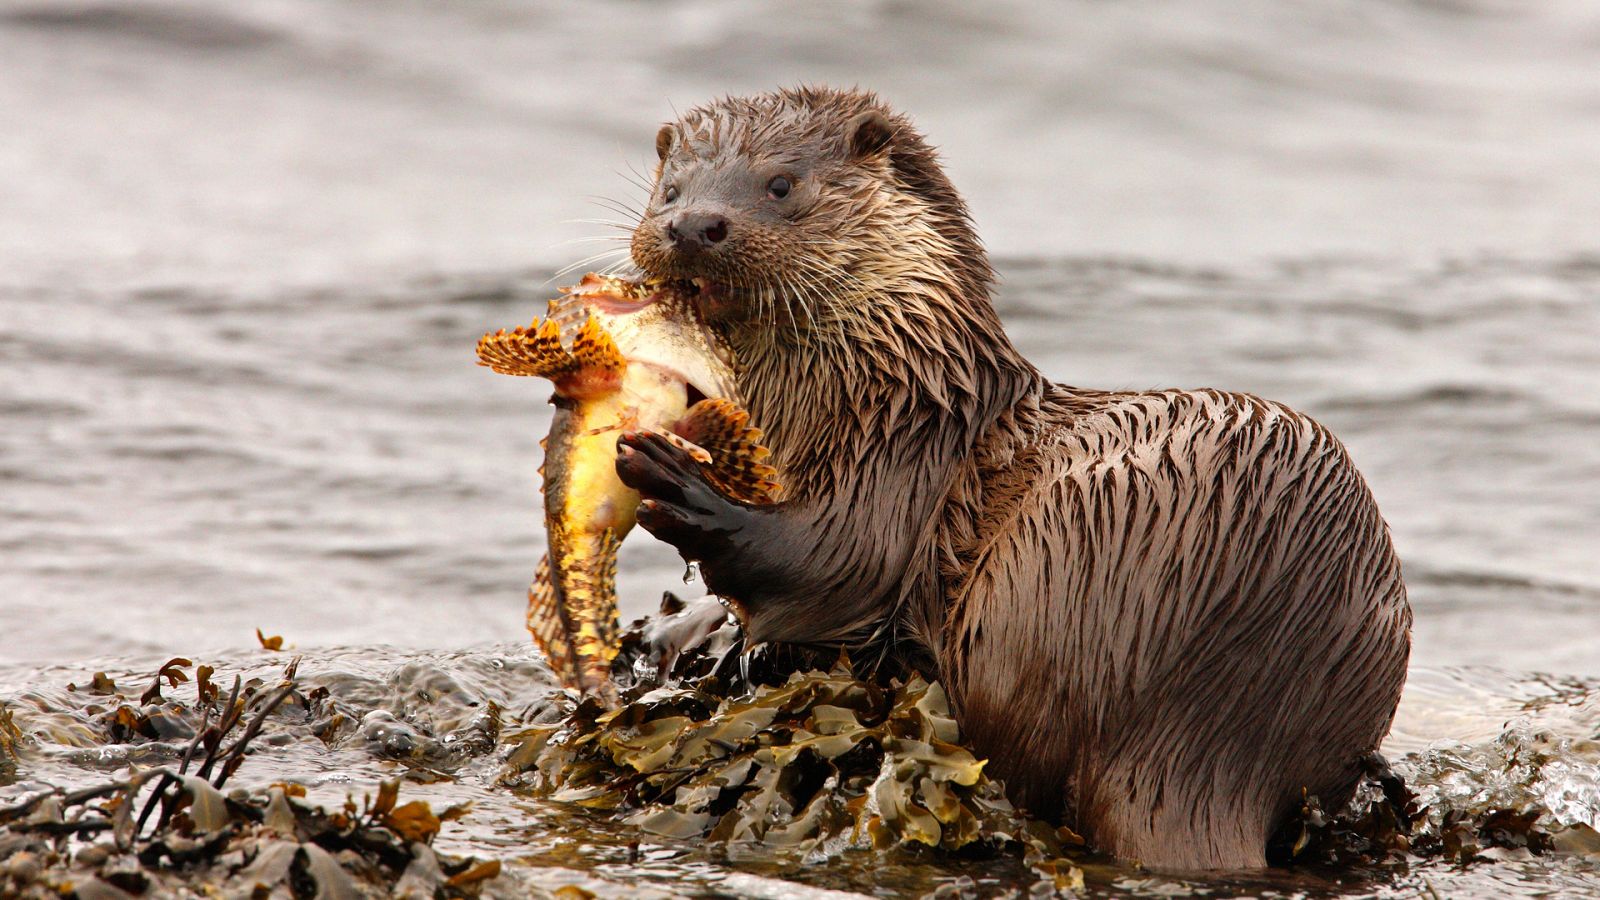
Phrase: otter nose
(693, 229)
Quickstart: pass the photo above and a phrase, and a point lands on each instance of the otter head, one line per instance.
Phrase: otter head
(792, 206)
(834, 257)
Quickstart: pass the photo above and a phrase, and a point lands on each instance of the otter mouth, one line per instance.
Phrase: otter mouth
(715, 299)
(711, 298)
(655, 323)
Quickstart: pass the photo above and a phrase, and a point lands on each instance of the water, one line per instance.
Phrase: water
(247, 250)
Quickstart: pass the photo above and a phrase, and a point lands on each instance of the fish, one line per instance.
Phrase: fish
(624, 356)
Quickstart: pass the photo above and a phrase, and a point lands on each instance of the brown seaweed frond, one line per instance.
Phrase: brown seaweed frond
(815, 763)
(188, 836)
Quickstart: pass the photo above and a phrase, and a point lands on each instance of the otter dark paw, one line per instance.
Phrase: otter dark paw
(679, 505)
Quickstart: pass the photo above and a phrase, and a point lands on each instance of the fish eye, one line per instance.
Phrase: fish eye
(671, 194)
(778, 188)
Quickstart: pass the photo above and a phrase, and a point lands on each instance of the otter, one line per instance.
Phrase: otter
(1165, 617)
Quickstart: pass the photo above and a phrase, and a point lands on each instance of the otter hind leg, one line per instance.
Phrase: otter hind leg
(1285, 701)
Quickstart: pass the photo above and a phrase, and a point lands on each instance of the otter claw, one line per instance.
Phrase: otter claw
(651, 465)
(679, 505)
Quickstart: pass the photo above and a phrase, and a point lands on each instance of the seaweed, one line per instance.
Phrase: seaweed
(788, 750)
(1460, 812)
(171, 829)
(766, 761)
(816, 763)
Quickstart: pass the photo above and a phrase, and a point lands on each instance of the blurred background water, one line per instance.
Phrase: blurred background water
(246, 248)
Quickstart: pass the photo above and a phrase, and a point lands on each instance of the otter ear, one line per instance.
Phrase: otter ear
(664, 140)
(869, 133)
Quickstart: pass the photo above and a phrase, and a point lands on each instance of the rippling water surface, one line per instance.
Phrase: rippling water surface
(245, 250)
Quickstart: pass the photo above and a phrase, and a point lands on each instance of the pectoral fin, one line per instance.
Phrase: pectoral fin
(737, 464)
(592, 366)
(594, 350)
(532, 350)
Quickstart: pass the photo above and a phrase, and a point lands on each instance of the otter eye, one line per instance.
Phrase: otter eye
(671, 194)
(778, 188)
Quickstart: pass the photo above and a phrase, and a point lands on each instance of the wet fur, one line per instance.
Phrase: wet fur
(1163, 616)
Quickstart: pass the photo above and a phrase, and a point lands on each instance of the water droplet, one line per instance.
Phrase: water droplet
(691, 572)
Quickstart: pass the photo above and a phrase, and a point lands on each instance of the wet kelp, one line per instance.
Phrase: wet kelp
(1528, 793)
(816, 763)
(170, 830)
(780, 768)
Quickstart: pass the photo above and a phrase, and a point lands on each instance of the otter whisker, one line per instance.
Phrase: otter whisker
(820, 266)
(796, 292)
(593, 239)
(807, 296)
(587, 261)
(787, 292)
(823, 275)
(645, 182)
(619, 207)
(764, 305)
(609, 223)
(634, 177)
(771, 298)
(622, 267)
(844, 285)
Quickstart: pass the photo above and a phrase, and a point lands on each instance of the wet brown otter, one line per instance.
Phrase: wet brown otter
(1164, 616)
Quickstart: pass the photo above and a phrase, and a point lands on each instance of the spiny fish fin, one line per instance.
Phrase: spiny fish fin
(550, 629)
(696, 452)
(595, 351)
(737, 466)
(593, 367)
(533, 350)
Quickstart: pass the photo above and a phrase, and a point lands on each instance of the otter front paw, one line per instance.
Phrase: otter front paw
(679, 506)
